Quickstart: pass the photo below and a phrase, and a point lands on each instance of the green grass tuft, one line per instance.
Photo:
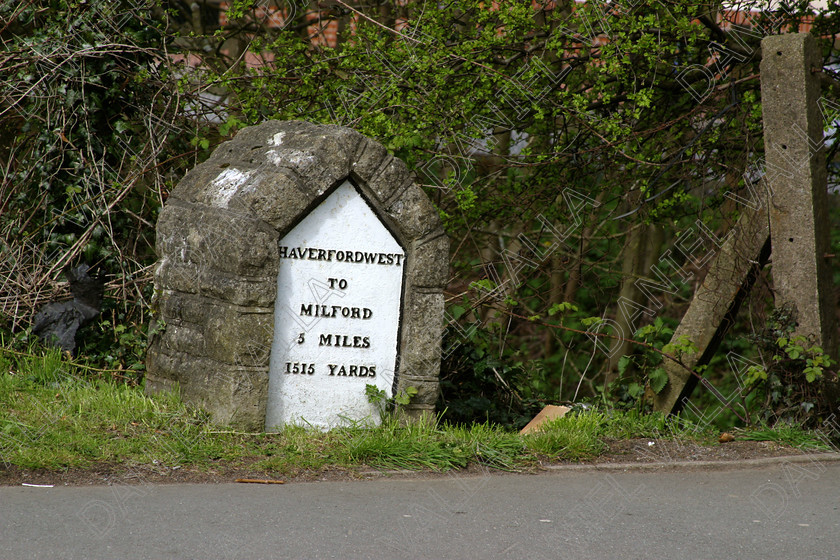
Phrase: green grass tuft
(574, 436)
(786, 434)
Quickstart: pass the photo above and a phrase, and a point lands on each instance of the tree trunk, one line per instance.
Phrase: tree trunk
(640, 253)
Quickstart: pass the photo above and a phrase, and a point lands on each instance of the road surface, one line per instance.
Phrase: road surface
(785, 510)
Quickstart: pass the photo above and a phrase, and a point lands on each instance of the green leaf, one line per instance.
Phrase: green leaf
(483, 284)
(404, 397)
(374, 394)
(560, 307)
(812, 373)
(658, 380)
(755, 374)
(623, 362)
(642, 331)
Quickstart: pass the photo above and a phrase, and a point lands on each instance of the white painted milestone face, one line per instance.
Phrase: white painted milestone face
(336, 317)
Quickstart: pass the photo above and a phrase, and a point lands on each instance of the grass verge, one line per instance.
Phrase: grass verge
(54, 417)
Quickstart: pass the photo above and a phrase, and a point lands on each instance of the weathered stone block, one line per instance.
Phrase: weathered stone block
(238, 336)
(215, 239)
(430, 266)
(179, 337)
(232, 394)
(183, 307)
(414, 212)
(248, 292)
(221, 331)
(422, 333)
(427, 390)
(352, 142)
(276, 197)
(392, 176)
(193, 187)
(177, 276)
(371, 157)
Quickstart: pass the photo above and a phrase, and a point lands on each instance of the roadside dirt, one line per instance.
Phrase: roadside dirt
(634, 451)
(643, 450)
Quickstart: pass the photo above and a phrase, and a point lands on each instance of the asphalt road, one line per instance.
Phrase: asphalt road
(785, 511)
